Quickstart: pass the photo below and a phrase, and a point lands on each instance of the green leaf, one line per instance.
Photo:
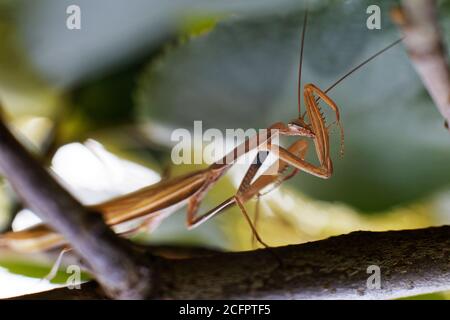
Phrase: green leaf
(113, 33)
(22, 91)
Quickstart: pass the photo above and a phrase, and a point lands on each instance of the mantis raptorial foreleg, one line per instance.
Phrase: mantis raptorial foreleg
(317, 120)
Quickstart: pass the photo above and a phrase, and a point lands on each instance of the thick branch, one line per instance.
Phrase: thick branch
(115, 266)
(417, 20)
(412, 262)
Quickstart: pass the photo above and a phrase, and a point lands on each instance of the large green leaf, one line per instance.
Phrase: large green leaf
(21, 89)
(113, 32)
(243, 75)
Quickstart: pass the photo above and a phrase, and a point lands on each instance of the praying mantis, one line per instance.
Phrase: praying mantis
(157, 201)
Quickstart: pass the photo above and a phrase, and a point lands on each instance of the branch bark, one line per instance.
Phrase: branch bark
(114, 263)
(417, 20)
(411, 262)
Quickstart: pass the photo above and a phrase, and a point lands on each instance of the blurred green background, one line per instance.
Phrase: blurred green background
(139, 69)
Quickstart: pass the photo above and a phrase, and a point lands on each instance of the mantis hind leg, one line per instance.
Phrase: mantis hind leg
(55, 268)
(196, 199)
(249, 221)
(256, 217)
(299, 148)
(193, 221)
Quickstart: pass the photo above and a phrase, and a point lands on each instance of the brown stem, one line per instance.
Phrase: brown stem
(417, 20)
(411, 262)
(119, 270)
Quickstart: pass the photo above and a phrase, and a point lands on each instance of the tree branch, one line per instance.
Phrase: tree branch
(114, 263)
(412, 262)
(417, 20)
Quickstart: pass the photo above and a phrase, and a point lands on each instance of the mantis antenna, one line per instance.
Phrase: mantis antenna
(362, 64)
(299, 94)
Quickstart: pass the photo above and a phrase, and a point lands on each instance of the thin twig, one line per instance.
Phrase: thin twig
(418, 21)
(411, 262)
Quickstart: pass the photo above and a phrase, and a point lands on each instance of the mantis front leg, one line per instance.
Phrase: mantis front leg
(321, 136)
(248, 189)
(317, 120)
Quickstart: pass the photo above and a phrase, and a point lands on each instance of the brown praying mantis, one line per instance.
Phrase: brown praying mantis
(157, 201)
